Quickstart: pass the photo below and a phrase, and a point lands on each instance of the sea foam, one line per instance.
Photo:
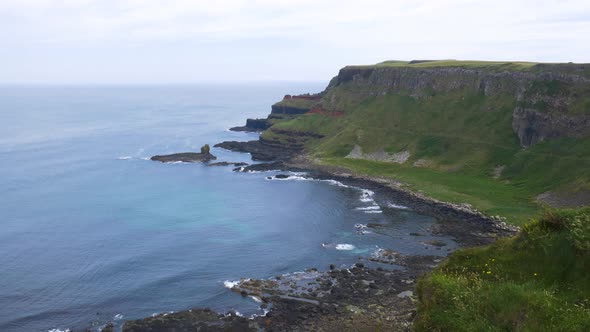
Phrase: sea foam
(230, 284)
(344, 246)
(395, 206)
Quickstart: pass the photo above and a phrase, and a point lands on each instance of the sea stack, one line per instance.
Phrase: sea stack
(187, 157)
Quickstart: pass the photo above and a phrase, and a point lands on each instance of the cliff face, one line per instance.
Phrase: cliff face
(295, 105)
(550, 100)
(486, 133)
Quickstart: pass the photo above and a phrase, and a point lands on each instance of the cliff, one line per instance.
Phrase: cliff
(298, 104)
(550, 100)
(453, 129)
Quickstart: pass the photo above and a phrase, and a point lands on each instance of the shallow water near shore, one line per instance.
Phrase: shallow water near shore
(94, 232)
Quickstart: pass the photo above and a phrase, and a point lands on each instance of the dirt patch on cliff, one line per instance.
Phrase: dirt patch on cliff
(569, 199)
(380, 155)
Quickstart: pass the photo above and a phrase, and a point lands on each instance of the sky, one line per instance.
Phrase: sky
(185, 41)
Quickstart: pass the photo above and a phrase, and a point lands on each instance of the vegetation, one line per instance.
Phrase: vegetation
(492, 66)
(205, 149)
(296, 103)
(462, 149)
(537, 281)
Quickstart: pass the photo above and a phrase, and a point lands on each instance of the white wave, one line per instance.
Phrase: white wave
(231, 284)
(290, 178)
(118, 317)
(256, 298)
(124, 157)
(368, 208)
(301, 176)
(145, 158)
(337, 183)
(373, 211)
(264, 312)
(367, 196)
(395, 206)
(344, 246)
(361, 228)
(59, 330)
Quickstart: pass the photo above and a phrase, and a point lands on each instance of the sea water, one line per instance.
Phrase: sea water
(92, 231)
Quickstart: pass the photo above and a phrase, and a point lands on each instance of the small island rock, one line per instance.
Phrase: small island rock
(187, 157)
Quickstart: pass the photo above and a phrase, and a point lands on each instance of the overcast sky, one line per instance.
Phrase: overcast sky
(180, 41)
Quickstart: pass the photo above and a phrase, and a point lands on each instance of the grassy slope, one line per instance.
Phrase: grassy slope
(537, 281)
(463, 137)
(297, 103)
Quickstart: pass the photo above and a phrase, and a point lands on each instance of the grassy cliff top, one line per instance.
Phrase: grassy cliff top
(296, 103)
(494, 66)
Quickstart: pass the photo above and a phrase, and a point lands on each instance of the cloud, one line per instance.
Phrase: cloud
(328, 31)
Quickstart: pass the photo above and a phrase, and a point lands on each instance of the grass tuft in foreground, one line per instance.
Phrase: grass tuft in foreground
(536, 281)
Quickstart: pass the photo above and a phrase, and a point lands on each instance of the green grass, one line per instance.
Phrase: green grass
(505, 65)
(460, 138)
(537, 281)
(491, 66)
(484, 193)
(297, 103)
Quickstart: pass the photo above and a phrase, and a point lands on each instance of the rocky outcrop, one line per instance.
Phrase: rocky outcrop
(187, 157)
(226, 163)
(380, 155)
(253, 125)
(191, 320)
(259, 150)
(293, 110)
(295, 105)
(551, 100)
(532, 126)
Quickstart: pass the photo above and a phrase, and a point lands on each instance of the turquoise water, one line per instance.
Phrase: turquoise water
(92, 232)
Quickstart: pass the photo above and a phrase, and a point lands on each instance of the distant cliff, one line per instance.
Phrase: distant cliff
(550, 100)
(523, 126)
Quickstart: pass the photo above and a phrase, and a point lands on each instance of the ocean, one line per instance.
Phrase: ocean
(92, 231)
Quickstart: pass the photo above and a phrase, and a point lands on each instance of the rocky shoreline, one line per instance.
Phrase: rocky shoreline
(377, 293)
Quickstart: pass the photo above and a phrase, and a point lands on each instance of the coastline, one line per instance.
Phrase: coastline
(375, 293)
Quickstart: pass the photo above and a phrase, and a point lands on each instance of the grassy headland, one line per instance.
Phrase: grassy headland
(456, 129)
(495, 135)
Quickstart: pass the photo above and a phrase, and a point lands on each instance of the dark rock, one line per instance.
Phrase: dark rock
(260, 150)
(108, 328)
(264, 167)
(225, 163)
(205, 149)
(279, 109)
(282, 176)
(435, 243)
(253, 125)
(187, 157)
(191, 320)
